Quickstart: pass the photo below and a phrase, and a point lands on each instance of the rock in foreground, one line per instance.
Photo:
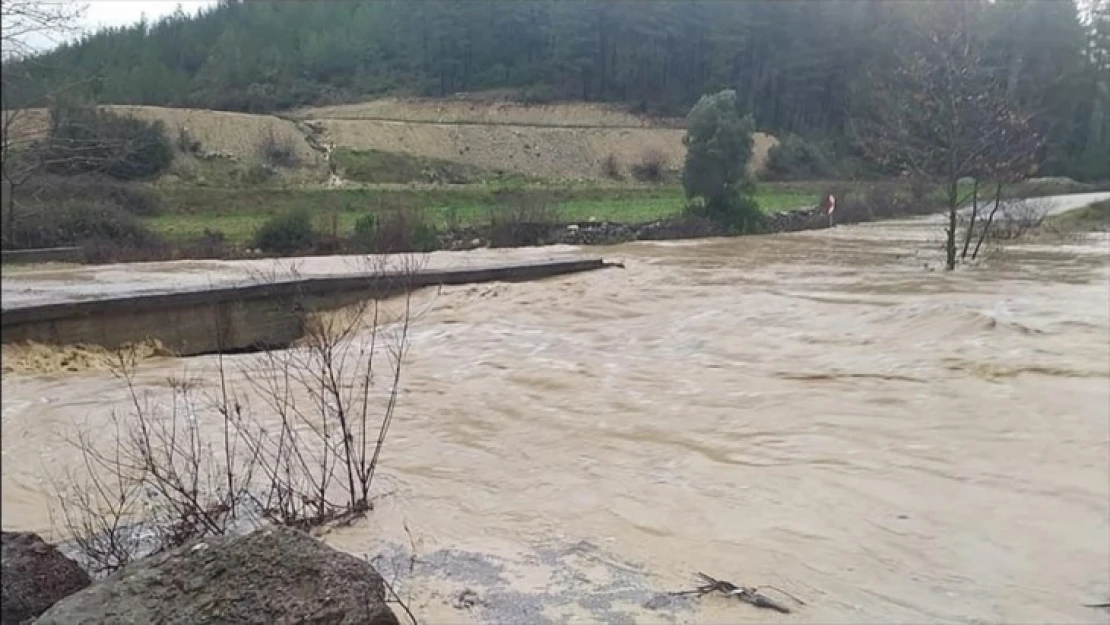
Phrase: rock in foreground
(35, 575)
(274, 575)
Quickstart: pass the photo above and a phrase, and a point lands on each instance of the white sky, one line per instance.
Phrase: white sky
(122, 12)
(103, 13)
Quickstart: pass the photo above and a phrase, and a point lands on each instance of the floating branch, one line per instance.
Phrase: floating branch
(745, 594)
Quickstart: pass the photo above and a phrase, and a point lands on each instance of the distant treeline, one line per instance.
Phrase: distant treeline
(798, 67)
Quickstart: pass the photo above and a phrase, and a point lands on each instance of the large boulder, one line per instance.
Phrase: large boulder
(34, 577)
(271, 576)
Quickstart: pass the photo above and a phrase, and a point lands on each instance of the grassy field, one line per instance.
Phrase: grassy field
(239, 212)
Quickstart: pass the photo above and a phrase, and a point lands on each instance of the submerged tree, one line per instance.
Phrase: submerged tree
(941, 110)
(718, 147)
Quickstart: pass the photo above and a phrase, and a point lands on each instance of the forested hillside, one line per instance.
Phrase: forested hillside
(799, 67)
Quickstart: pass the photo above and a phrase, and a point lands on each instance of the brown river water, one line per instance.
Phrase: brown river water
(821, 411)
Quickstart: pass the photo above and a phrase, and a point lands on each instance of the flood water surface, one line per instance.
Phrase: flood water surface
(825, 412)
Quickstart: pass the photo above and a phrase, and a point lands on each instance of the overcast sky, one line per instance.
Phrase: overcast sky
(103, 13)
(120, 12)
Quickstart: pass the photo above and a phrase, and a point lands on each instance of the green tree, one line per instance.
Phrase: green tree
(718, 146)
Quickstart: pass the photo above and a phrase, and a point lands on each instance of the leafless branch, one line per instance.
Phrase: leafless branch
(24, 21)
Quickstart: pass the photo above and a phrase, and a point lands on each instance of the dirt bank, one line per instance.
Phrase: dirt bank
(491, 111)
(221, 133)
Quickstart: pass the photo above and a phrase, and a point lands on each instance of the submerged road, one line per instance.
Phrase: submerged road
(53, 284)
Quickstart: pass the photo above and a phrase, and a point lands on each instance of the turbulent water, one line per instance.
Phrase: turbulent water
(825, 412)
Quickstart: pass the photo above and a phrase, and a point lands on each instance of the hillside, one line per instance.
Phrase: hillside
(555, 141)
(800, 68)
(566, 141)
(491, 108)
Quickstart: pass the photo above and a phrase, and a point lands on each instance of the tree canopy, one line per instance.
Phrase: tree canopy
(797, 67)
(718, 147)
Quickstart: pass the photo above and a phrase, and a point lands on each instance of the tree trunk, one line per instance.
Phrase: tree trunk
(953, 208)
(990, 219)
(9, 229)
(974, 214)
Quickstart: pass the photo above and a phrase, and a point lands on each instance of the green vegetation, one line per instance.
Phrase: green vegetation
(286, 232)
(238, 213)
(364, 231)
(794, 158)
(718, 146)
(659, 57)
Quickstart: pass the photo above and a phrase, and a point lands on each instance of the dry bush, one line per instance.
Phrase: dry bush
(523, 225)
(277, 150)
(163, 482)
(611, 168)
(212, 243)
(190, 463)
(186, 142)
(1004, 221)
(1017, 219)
(879, 200)
(104, 229)
(396, 230)
(652, 166)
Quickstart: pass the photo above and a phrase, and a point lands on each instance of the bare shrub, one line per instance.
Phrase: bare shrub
(186, 142)
(86, 140)
(103, 250)
(652, 166)
(878, 200)
(277, 150)
(212, 243)
(1017, 219)
(396, 230)
(523, 225)
(163, 483)
(90, 223)
(197, 463)
(1006, 221)
(611, 168)
(328, 240)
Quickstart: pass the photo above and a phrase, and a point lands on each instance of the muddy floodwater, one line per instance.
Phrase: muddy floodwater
(827, 412)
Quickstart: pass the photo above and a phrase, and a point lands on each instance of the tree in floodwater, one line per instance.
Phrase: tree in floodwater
(940, 110)
(718, 147)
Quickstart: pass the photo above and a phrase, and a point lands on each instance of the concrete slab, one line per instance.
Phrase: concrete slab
(238, 313)
(52, 284)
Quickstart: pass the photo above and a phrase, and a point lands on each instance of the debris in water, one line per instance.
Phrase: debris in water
(467, 599)
(746, 595)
